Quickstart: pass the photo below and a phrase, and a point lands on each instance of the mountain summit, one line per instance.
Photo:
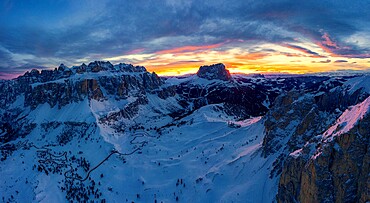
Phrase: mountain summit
(215, 71)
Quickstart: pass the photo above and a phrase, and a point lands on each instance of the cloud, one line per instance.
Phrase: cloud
(291, 54)
(5, 57)
(253, 56)
(340, 61)
(7, 76)
(135, 51)
(303, 50)
(14, 71)
(73, 32)
(326, 61)
(189, 49)
(328, 42)
(334, 49)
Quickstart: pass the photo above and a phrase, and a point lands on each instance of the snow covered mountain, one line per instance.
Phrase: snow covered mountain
(117, 133)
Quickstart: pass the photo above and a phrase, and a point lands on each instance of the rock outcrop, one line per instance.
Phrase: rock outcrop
(330, 171)
(62, 85)
(297, 116)
(240, 101)
(313, 167)
(215, 71)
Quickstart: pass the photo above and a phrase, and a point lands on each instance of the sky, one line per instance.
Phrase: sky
(174, 37)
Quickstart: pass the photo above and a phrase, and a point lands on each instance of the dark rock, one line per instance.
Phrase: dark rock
(339, 171)
(98, 66)
(129, 68)
(81, 69)
(215, 71)
(62, 67)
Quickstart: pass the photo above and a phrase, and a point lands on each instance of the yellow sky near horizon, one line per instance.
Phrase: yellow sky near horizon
(298, 58)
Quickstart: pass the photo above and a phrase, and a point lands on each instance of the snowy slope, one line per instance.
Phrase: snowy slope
(131, 148)
(348, 119)
(358, 83)
(213, 160)
(133, 137)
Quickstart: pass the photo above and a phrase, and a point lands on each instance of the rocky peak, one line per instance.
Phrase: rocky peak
(63, 71)
(62, 67)
(80, 69)
(215, 71)
(34, 72)
(98, 66)
(129, 68)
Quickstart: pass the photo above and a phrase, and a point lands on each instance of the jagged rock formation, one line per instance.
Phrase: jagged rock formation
(330, 170)
(242, 97)
(297, 116)
(239, 101)
(215, 71)
(63, 85)
(314, 168)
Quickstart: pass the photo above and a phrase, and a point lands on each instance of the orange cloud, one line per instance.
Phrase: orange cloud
(329, 45)
(253, 56)
(270, 58)
(189, 49)
(327, 41)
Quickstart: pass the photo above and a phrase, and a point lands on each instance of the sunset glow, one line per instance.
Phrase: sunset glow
(299, 58)
(176, 37)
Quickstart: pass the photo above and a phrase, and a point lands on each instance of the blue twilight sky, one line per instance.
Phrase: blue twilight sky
(174, 36)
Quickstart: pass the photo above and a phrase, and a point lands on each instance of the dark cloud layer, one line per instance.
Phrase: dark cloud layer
(340, 61)
(304, 50)
(65, 31)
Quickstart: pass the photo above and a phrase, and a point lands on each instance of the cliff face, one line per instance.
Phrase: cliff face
(82, 86)
(240, 101)
(338, 171)
(322, 138)
(71, 90)
(297, 116)
(63, 85)
(128, 89)
(215, 71)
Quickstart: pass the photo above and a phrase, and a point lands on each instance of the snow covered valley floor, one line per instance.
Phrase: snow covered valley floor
(201, 159)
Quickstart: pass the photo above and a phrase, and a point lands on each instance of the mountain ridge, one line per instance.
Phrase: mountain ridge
(246, 138)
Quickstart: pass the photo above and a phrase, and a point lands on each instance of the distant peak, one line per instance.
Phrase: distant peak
(62, 71)
(98, 66)
(215, 71)
(62, 67)
(100, 63)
